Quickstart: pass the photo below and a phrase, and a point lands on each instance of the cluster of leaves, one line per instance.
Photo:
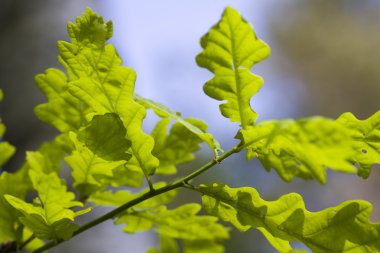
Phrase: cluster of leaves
(101, 140)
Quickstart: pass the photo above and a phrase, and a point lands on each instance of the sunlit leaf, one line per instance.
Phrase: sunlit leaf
(177, 147)
(90, 30)
(105, 137)
(63, 110)
(180, 223)
(97, 78)
(50, 216)
(366, 139)
(9, 184)
(133, 115)
(6, 149)
(343, 228)
(163, 111)
(88, 169)
(303, 147)
(231, 48)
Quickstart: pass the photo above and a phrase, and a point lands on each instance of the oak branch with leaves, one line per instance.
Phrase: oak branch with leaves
(101, 140)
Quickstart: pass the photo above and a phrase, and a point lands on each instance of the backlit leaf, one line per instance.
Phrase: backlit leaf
(89, 170)
(90, 30)
(97, 78)
(63, 110)
(105, 136)
(180, 223)
(343, 228)
(303, 147)
(366, 139)
(6, 149)
(231, 48)
(6, 152)
(50, 216)
(10, 184)
(177, 147)
(163, 111)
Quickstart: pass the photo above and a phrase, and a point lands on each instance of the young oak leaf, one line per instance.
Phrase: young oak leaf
(304, 147)
(105, 136)
(90, 171)
(163, 111)
(88, 37)
(178, 146)
(98, 79)
(90, 30)
(6, 149)
(180, 223)
(50, 217)
(231, 48)
(94, 68)
(133, 115)
(343, 228)
(63, 110)
(10, 184)
(49, 155)
(366, 139)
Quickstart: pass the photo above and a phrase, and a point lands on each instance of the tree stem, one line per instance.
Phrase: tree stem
(178, 183)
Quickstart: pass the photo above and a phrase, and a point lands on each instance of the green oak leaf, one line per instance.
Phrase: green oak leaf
(231, 48)
(343, 228)
(180, 223)
(6, 152)
(105, 137)
(366, 139)
(90, 30)
(63, 110)
(129, 174)
(304, 147)
(97, 78)
(133, 115)
(163, 112)
(10, 184)
(90, 172)
(50, 216)
(49, 155)
(6, 149)
(177, 147)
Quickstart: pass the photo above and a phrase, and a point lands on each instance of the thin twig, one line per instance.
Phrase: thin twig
(152, 193)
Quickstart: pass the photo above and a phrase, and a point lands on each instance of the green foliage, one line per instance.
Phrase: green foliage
(303, 147)
(366, 139)
(163, 111)
(50, 216)
(230, 49)
(197, 232)
(6, 149)
(344, 228)
(101, 139)
(178, 146)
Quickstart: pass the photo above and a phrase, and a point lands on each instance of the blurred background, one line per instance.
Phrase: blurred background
(325, 61)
